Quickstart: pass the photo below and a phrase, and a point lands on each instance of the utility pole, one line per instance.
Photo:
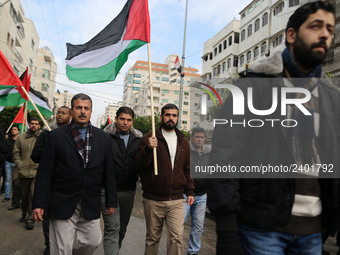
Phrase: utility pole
(182, 71)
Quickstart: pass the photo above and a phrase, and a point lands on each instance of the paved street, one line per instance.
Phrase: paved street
(16, 240)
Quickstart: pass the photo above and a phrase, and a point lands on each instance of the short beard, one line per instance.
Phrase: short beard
(305, 56)
(169, 127)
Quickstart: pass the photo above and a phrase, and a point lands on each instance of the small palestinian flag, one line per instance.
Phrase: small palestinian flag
(101, 58)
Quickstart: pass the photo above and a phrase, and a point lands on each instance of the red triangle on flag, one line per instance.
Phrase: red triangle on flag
(20, 116)
(7, 75)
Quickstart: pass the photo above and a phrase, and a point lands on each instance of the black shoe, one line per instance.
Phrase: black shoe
(5, 199)
(23, 218)
(29, 225)
(13, 207)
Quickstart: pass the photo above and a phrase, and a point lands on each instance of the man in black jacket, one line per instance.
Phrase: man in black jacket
(281, 215)
(71, 172)
(125, 140)
(199, 156)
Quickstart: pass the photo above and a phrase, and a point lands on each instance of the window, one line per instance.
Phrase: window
(248, 56)
(44, 87)
(219, 48)
(8, 39)
(223, 67)
(243, 15)
(184, 122)
(249, 30)
(265, 19)
(230, 39)
(278, 8)
(137, 75)
(185, 113)
(242, 60)
(32, 44)
(196, 114)
(294, 2)
(228, 63)
(256, 52)
(185, 103)
(218, 69)
(211, 56)
(165, 101)
(250, 9)
(186, 93)
(195, 123)
(224, 44)
(197, 95)
(235, 61)
(257, 25)
(165, 79)
(176, 92)
(243, 35)
(157, 78)
(130, 78)
(257, 3)
(136, 88)
(136, 81)
(277, 41)
(175, 101)
(46, 74)
(237, 38)
(165, 91)
(215, 51)
(263, 47)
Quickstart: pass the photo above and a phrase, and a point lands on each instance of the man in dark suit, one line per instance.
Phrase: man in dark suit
(72, 171)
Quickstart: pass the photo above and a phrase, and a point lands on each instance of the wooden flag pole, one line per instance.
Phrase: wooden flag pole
(24, 121)
(9, 128)
(35, 107)
(152, 113)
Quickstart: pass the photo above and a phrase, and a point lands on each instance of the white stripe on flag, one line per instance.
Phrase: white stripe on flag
(8, 91)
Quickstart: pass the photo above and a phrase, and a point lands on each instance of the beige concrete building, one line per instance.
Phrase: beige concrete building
(166, 86)
(62, 99)
(19, 42)
(111, 109)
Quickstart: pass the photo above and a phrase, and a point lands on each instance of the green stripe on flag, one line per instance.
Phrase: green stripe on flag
(11, 99)
(104, 73)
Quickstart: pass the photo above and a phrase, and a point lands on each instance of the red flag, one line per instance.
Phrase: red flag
(108, 119)
(26, 81)
(7, 76)
(20, 116)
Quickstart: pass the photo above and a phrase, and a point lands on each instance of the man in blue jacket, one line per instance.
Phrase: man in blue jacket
(69, 181)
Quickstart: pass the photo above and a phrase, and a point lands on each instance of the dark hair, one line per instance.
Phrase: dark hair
(169, 106)
(81, 96)
(64, 106)
(126, 110)
(15, 126)
(197, 130)
(302, 13)
(35, 119)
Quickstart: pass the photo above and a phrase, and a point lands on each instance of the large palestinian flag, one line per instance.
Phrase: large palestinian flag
(101, 58)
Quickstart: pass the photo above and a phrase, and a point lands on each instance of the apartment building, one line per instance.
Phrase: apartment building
(166, 88)
(19, 42)
(111, 109)
(62, 99)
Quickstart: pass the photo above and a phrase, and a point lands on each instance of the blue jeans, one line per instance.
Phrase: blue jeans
(8, 181)
(197, 211)
(260, 242)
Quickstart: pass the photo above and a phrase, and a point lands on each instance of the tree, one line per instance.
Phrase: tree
(143, 123)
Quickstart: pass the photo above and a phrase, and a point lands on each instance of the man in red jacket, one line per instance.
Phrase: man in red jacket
(163, 193)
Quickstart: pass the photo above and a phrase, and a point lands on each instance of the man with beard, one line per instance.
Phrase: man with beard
(27, 169)
(163, 193)
(285, 215)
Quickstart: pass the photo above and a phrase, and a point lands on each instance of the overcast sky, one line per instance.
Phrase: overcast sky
(77, 21)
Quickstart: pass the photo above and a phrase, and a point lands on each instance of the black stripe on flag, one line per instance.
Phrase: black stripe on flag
(110, 35)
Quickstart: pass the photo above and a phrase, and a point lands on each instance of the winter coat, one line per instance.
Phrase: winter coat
(169, 184)
(267, 203)
(22, 151)
(124, 158)
(199, 159)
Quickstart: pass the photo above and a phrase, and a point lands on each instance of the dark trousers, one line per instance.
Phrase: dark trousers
(27, 189)
(16, 192)
(46, 228)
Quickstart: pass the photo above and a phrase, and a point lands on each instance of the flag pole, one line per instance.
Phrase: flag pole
(35, 107)
(24, 121)
(182, 70)
(152, 114)
(9, 127)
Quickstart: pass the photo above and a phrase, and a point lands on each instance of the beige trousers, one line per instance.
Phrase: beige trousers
(156, 212)
(63, 232)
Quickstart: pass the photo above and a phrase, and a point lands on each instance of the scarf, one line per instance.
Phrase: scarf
(84, 147)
